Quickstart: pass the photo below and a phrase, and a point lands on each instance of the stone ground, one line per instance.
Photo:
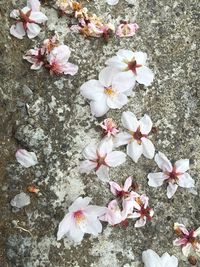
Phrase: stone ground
(58, 124)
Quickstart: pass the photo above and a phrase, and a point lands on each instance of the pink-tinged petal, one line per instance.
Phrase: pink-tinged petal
(141, 222)
(128, 183)
(79, 204)
(145, 200)
(115, 158)
(179, 226)
(144, 76)
(106, 76)
(92, 90)
(123, 81)
(135, 215)
(64, 226)
(123, 139)
(126, 29)
(25, 158)
(95, 210)
(75, 233)
(14, 14)
(156, 179)
(117, 101)
(180, 241)
(60, 53)
(171, 189)
(34, 5)
(163, 162)
(185, 180)
(99, 107)
(38, 17)
(33, 30)
(70, 68)
(103, 173)
(93, 225)
(17, 30)
(187, 249)
(148, 148)
(134, 150)
(151, 259)
(112, 2)
(87, 166)
(115, 188)
(128, 205)
(37, 66)
(130, 121)
(182, 165)
(113, 215)
(145, 124)
(167, 260)
(140, 58)
(105, 147)
(90, 152)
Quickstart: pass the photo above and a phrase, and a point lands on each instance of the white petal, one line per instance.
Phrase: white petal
(38, 17)
(92, 90)
(125, 55)
(112, 2)
(145, 124)
(25, 158)
(117, 101)
(140, 57)
(14, 14)
(144, 75)
(93, 225)
(156, 179)
(171, 189)
(123, 81)
(69, 68)
(151, 259)
(106, 76)
(33, 5)
(148, 148)
(17, 30)
(167, 260)
(64, 226)
(134, 150)
(115, 158)
(163, 162)
(99, 108)
(79, 203)
(95, 210)
(185, 180)
(87, 166)
(186, 249)
(128, 183)
(103, 173)
(122, 139)
(182, 165)
(33, 30)
(130, 121)
(116, 62)
(105, 147)
(140, 223)
(76, 233)
(90, 152)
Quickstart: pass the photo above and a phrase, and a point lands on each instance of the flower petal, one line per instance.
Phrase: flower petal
(90, 152)
(105, 147)
(145, 124)
(167, 260)
(79, 204)
(103, 173)
(148, 148)
(75, 233)
(156, 179)
(38, 17)
(106, 76)
(123, 81)
(122, 139)
(141, 222)
(34, 5)
(17, 30)
(115, 188)
(144, 76)
(130, 121)
(182, 165)
(134, 150)
(87, 166)
(92, 90)
(115, 158)
(33, 30)
(163, 162)
(151, 258)
(25, 158)
(117, 101)
(128, 183)
(64, 226)
(69, 68)
(171, 189)
(140, 57)
(99, 108)
(185, 180)
(187, 249)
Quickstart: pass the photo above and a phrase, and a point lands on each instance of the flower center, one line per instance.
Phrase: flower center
(109, 91)
(79, 216)
(24, 18)
(146, 212)
(132, 65)
(173, 176)
(138, 135)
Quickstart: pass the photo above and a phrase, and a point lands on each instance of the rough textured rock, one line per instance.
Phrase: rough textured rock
(58, 124)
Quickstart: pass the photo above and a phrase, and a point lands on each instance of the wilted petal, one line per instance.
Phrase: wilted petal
(123, 81)
(25, 158)
(186, 249)
(185, 180)
(130, 121)
(144, 76)
(163, 162)
(179, 226)
(134, 150)
(148, 148)
(182, 165)
(180, 241)
(156, 179)
(145, 124)
(171, 189)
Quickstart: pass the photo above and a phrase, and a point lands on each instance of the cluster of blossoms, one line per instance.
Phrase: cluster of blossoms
(52, 56)
(90, 25)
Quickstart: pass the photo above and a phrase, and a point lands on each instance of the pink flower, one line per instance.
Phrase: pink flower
(121, 191)
(109, 127)
(100, 158)
(35, 56)
(174, 176)
(58, 61)
(27, 20)
(113, 215)
(137, 136)
(25, 158)
(141, 211)
(188, 240)
(126, 29)
(82, 218)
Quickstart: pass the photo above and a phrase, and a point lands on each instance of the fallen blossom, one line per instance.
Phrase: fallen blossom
(137, 136)
(20, 200)
(25, 158)
(113, 215)
(35, 56)
(132, 66)
(110, 91)
(109, 127)
(27, 20)
(151, 259)
(33, 189)
(121, 191)
(174, 175)
(126, 29)
(81, 218)
(100, 158)
(189, 241)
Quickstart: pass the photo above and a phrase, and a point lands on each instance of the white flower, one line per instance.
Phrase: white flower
(110, 91)
(35, 56)
(136, 138)
(112, 2)
(100, 158)
(25, 158)
(81, 218)
(132, 66)
(151, 259)
(174, 176)
(27, 20)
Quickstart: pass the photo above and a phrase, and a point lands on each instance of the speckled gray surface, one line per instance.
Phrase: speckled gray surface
(58, 125)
